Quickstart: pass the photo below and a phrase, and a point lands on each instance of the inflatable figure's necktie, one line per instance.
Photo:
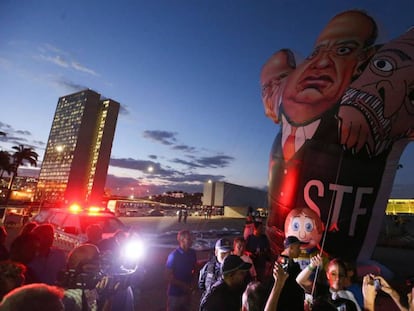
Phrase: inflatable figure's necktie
(289, 146)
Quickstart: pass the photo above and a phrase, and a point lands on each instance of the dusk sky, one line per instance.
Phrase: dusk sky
(185, 72)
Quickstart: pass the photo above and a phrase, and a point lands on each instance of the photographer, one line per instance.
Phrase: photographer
(86, 288)
(372, 284)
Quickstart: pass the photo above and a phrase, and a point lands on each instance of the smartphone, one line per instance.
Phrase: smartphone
(283, 261)
(377, 284)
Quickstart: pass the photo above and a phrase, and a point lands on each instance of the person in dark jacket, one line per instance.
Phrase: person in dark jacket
(211, 271)
(226, 294)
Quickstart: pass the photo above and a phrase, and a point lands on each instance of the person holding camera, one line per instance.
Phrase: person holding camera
(292, 296)
(280, 276)
(86, 288)
(372, 285)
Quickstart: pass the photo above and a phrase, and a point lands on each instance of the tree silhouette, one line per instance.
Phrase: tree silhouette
(5, 165)
(21, 155)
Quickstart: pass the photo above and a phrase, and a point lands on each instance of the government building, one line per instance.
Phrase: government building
(78, 150)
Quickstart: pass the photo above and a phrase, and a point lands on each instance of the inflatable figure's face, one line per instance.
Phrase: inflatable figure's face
(274, 72)
(389, 80)
(318, 83)
(306, 225)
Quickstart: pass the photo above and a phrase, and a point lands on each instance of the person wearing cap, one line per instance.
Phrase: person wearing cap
(292, 296)
(211, 271)
(226, 294)
(239, 249)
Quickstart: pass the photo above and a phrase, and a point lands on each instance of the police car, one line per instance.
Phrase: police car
(70, 224)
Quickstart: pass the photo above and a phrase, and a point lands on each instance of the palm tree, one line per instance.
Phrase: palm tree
(20, 156)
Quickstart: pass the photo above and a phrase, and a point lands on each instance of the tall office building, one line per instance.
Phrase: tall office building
(78, 150)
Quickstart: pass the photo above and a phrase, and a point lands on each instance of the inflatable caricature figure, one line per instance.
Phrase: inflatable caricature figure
(305, 224)
(318, 160)
(378, 108)
(272, 79)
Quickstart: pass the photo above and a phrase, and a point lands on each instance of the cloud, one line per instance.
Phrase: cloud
(141, 165)
(56, 56)
(184, 148)
(18, 137)
(218, 161)
(5, 127)
(190, 164)
(82, 68)
(68, 85)
(169, 139)
(153, 156)
(164, 137)
(115, 182)
(57, 60)
(190, 183)
(23, 132)
(52, 48)
(123, 110)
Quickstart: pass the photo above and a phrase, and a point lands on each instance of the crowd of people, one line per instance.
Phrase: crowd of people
(35, 275)
(243, 275)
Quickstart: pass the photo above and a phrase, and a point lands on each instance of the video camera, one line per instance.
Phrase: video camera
(72, 278)
(75, 279)
(123, 267)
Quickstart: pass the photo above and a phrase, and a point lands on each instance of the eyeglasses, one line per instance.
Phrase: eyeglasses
(338, 50)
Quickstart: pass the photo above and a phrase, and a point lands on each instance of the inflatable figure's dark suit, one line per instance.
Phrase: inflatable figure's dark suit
(324, 176)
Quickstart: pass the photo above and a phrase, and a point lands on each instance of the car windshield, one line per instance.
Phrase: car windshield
(109, 225)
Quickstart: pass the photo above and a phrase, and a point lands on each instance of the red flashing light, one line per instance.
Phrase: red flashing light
(75, 208)
(94, 210)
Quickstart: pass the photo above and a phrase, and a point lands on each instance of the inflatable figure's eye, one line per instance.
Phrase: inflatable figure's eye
(383, 65)
(343, 50)
(314, 54)
(296, 225)
(308, 226)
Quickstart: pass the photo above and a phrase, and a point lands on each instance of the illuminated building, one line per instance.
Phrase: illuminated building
(78, 150)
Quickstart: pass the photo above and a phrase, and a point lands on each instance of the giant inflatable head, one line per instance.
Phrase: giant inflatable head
(272, 79)
(319, 82)
(342, 110)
